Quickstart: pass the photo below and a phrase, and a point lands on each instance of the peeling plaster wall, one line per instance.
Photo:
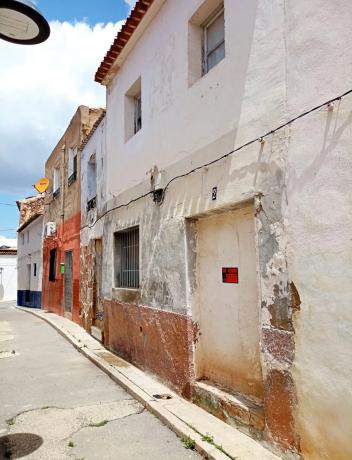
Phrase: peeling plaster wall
(94, 146)
(281, 59)
(319, 66)
(319, 257)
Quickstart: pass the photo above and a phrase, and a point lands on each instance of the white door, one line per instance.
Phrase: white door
(227, 352)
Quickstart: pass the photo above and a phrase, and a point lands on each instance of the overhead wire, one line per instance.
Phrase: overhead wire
(8, 204)
(222, 157)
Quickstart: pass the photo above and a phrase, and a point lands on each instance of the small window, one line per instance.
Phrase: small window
(214, 41)
(133, 109)
(56, 182)
(91, 182)
(22, 238)
(137, 113)
(127, 258)
(34, 269)
(52, 265)
(28, 237)
(72, 166)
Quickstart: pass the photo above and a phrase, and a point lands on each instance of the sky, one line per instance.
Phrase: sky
(41, 87)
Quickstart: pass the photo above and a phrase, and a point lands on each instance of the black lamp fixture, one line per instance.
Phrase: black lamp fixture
(22, 23)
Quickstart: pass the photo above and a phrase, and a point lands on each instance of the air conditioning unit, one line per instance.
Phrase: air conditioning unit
(50, 229)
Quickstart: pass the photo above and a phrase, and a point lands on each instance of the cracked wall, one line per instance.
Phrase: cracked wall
(278, 64)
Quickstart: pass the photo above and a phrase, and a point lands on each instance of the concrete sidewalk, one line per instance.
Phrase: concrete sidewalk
(213, 438)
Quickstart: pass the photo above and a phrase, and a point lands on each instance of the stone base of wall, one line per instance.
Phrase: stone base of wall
(32, 299)
(155, 340)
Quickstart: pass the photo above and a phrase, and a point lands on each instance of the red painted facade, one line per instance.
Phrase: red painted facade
(67, 238)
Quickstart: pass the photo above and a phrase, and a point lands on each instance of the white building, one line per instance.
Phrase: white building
(226, 226)
(30, 253)
(8, 273)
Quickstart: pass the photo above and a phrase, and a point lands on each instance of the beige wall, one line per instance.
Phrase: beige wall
(68, 203)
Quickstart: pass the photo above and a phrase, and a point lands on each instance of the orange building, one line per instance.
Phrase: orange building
(62, 219)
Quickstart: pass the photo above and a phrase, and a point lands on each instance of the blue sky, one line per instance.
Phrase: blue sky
(92, 11)
(59, 76)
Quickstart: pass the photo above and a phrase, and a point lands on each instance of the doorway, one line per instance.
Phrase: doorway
(226, 303)
(98, 306)
(68, 282)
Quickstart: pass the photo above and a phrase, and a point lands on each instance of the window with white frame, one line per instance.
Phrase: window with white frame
(72, 165)
(126, 255)
(56, 181)
(214, 40)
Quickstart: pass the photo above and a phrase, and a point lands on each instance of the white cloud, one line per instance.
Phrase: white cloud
(40, 88)
(4, 241)
(131, 3)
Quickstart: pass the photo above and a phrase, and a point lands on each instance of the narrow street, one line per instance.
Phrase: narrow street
(55, 404)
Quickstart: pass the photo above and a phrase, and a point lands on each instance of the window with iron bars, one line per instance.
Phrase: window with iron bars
(127, 258)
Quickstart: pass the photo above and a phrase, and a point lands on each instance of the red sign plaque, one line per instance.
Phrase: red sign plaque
(230, 275)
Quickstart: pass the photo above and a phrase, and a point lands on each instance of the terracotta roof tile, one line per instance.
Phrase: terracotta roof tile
(30, 209)
(8, 251)
(126, 32)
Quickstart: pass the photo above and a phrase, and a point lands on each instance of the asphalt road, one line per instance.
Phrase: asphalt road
(55, 404)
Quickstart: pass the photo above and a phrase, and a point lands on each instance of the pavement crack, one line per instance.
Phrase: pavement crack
(106, 422)
(11, 421)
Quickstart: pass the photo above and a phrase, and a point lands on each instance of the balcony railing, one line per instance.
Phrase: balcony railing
(92, 203)
(72, 178)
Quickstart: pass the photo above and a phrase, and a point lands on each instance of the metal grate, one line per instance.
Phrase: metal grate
(127, 258)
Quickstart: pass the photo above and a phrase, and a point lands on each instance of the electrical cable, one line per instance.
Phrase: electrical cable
(259, 138)
(8, 204)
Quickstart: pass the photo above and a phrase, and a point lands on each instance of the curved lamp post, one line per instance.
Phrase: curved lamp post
(21, 22)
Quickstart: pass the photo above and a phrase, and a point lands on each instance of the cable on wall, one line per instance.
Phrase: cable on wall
(222, 157)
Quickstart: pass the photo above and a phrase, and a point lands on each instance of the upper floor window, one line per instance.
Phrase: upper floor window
(133, 109)
(91, 182)
(72, 165)
(28, 236)
(137, 113)
(56, 181)
(214, 41)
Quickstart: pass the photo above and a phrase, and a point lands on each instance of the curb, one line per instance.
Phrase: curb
(178, 426)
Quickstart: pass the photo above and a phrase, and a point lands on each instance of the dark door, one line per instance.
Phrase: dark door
(68, 281)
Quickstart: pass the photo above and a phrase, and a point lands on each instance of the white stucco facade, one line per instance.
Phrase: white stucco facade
(8, 277)
(30, 262)
(281, 59)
